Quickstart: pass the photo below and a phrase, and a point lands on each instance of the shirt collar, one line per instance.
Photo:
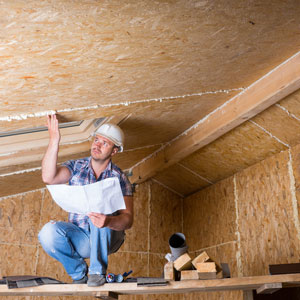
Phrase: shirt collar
(108, 167)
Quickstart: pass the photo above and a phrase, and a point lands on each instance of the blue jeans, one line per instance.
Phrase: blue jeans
(70, 245)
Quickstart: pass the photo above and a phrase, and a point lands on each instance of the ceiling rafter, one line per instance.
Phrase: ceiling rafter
(274, 86)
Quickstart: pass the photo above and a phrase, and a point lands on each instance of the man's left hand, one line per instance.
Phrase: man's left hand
(99, 220)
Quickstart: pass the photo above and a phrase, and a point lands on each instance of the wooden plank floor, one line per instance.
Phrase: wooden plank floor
(243, 283)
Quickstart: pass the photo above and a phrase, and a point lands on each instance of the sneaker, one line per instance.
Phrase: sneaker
(81, 281)
(96, 280)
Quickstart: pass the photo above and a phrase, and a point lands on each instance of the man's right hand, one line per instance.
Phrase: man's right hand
(54, 133)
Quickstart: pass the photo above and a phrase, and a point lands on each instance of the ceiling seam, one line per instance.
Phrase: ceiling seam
(220, 108)
(167, 187)
(21, 172)
(142, 147)
(21, 194)
(270, 134)
(123, 103)
(195, 173)
(288, 112)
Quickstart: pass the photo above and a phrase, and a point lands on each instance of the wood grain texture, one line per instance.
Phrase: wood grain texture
(138, 233)
(280, 124)
(181, 180)
(209, 216)
(236, 150)
(268, 233)
(14, 260)
(127, 159)
(20, 218)
(292, 103)
(165, 217)
(106, 52)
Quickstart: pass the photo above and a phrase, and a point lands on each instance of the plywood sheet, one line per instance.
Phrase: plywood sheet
(137, 236)
(181, 180)
(20, 183)
(209, 216)
(266, 221)
(121, 262)
(226, 295)
(75, 54)
(127, 159)
(280, 124)
(156, 264)
(234, 151)
(17, 259)
(292, 103)
(20, 218)
(48, 266)
(51, 211)
(162, 121)
(165, 218)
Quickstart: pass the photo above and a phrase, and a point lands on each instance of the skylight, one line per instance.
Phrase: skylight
(38, 129)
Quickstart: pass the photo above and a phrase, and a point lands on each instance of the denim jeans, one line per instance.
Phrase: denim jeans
(70, 245)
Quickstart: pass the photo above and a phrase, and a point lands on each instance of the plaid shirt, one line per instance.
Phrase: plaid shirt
(82, 174)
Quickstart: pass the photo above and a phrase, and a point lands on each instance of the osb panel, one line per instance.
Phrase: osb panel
(48, 266)
(165, 218)
(136, 50)
(292, 103)
(127, 159)
(156, 265)
(280, 124)
(226, 295)
(17, 260)
(51, 211)
(225, 253)
(20, 183)
(137, 236)
(234, 151)
(209, 216)
(181, 180)
(37, 163)
(162, 121)
(121, 262)
(295, 151)
(268, 233)
(20, 218)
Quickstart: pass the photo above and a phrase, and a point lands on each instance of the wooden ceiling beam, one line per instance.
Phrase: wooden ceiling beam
(274, 86)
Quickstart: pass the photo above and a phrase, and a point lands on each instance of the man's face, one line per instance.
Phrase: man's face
(102, 148)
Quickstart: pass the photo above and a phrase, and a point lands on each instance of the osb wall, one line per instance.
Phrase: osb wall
(158, 214)
(249, 220)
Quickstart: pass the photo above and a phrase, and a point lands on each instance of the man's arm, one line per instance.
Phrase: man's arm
(51, 174)
(120, 222)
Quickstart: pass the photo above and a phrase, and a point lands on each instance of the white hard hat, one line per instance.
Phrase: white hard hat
(112, 132)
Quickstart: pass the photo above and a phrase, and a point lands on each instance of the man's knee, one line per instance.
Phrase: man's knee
(48, 235)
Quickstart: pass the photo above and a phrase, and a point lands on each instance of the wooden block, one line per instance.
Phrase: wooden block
(201, 258)
(206, 267)
(183, 262)
(269, 288)
(189, 274)
(169, 272)
(207, 275)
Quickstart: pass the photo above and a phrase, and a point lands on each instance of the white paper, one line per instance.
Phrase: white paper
(103, 196)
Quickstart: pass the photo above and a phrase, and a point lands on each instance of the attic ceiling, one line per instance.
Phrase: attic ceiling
(156, 68)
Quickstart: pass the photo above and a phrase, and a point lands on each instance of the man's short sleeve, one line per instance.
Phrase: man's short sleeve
(126, 186)
(70, 165)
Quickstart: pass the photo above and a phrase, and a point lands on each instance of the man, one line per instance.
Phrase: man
(94, 236)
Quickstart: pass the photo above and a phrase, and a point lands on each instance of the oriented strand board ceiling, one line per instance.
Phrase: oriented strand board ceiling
(154, 67)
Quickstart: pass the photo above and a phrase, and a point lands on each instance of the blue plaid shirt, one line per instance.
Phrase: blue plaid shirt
(82, 174)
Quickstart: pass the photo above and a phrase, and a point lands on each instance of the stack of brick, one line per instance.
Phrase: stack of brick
(201, 267)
